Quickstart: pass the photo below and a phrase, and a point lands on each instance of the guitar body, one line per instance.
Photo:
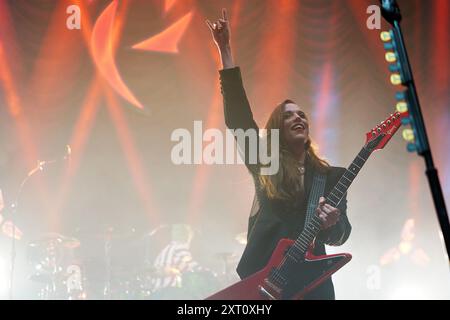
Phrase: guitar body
(303, 278)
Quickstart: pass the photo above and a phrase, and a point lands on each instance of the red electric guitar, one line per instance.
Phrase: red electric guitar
(293, 270)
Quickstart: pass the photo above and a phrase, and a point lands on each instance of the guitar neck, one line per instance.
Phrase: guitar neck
(340, 189)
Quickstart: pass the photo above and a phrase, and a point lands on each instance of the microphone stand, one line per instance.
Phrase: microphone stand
(14, 210)
(391, 12)
(40, 167)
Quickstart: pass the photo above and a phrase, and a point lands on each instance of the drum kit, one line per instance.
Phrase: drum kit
(116, 266)
(48, 256)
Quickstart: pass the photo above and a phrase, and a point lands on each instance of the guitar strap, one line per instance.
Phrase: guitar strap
(317, 190)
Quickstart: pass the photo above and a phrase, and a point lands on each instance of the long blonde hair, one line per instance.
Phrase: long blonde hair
(282, 185)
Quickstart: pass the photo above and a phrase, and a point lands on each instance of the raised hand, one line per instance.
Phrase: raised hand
(220, 30)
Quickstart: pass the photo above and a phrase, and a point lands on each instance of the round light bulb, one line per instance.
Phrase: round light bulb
(396, 79)
(385, 36)
(390, 56)
(408, 135)
(402, 106)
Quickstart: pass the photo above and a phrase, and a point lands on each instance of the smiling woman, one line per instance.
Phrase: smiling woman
(295, 145)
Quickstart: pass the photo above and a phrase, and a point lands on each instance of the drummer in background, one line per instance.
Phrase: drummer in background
(175, 259)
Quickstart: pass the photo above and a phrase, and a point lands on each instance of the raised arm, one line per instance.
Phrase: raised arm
(238, 114)
(220, 31)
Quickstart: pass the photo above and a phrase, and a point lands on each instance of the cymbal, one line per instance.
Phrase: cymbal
(71, 243)
(156, 230)
(112, 234)
(56, 239)
(169, 228)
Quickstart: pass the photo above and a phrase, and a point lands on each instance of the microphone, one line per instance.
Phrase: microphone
(40, 166)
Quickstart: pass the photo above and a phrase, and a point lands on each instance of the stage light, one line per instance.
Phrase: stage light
(408, 135)
(385, 36)
(390, 56)
(402, 107)
(401, 95)
(411, 147)
(406, 121)
(405, 247)
(396, 79)
(388, 46)
(394, 67)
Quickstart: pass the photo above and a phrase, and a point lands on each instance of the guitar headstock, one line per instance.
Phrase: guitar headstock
(379, 136)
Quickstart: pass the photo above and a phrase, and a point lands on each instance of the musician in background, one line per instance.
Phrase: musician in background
(174, 259)
(280, 202)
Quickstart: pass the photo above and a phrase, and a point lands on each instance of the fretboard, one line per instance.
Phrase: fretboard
(340, 189)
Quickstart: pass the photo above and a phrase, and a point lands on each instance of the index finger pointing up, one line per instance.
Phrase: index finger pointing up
(224, 14)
